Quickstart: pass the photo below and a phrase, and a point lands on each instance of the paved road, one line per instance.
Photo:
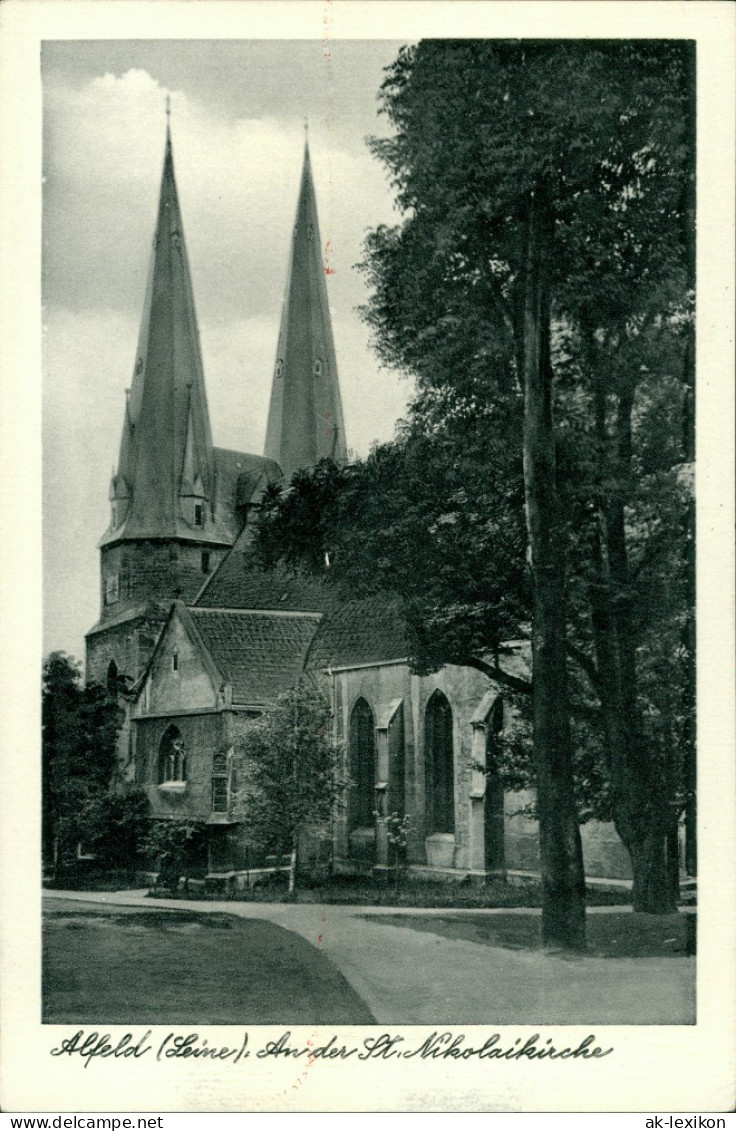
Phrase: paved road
(414, 977)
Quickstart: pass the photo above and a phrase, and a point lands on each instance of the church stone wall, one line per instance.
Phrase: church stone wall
(521, 834)
(603, 851)
(177, 681)
(604, 855)
(381, 686)
(116, 645)
(203, 735)
(228, 843)
(129, 644)
(464, 689)
(135, 572)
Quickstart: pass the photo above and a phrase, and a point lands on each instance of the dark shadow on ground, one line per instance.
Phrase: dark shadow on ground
(117, 965)
(609, 935)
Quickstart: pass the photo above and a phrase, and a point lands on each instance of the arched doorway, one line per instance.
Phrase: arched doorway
(172, 758)
(439, 765)
(362, 753)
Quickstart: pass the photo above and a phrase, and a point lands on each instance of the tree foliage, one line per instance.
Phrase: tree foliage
(83, 799)
(79, 731)
(435, 517)
(113, 824)
(548, 193)
(177, 846)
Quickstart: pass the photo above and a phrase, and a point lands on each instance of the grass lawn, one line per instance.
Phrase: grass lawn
(380, 892)
(139, 966)
(610, 935)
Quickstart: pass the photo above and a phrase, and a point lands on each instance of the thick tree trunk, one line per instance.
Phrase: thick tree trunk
(651, 862)
(640, 800)
(563, 879)
(639, 811)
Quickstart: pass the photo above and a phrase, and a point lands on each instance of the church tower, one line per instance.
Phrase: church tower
(305, 421)
(175, 500)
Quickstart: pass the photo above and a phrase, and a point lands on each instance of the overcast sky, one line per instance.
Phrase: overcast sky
(237, 119)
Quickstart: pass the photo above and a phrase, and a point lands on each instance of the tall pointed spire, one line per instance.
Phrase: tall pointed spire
(305, 422)
(166, 431)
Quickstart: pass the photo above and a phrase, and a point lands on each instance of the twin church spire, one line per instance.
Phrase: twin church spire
(305, 422)
(168, 473)
(165, 482)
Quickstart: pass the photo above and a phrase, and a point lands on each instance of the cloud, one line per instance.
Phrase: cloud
(238, 180)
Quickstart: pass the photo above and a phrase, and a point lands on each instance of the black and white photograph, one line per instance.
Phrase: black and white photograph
(374, 438)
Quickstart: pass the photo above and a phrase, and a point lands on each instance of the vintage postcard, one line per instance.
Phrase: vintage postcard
(367, 589)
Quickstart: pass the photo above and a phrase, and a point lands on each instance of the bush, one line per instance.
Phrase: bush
(113, 826)
(178, 847)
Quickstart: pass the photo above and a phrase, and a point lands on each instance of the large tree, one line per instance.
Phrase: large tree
(542, 274)
(548, 188)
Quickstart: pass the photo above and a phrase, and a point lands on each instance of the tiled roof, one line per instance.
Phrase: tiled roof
(260, 654)
(239, 584)
(360, 632)
(351, 632)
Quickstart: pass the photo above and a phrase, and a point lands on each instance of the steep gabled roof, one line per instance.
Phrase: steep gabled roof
(369, 631)
(238, 583)
(364, 631)
(259, 654)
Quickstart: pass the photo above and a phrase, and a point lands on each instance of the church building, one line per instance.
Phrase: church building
(204, 642)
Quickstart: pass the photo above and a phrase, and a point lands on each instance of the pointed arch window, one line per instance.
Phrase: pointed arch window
(220, 782)
(280, 368)
(495, 850)
(172, 758)
(439, 765)
(494, 726)
(362, 765)
(112, 677)
(318, 367)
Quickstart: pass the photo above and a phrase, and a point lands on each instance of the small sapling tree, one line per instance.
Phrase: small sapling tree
(398, 826)
(290, 775)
